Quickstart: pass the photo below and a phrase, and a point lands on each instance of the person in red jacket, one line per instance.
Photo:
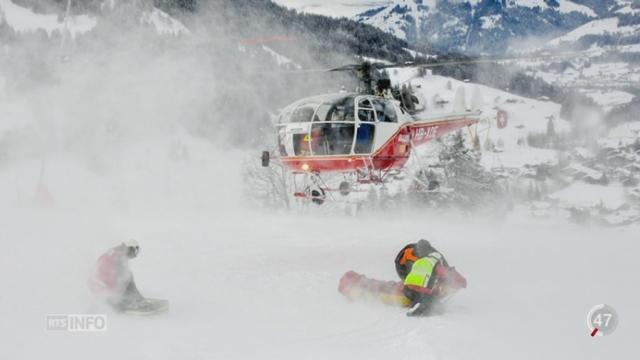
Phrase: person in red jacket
(112, 280)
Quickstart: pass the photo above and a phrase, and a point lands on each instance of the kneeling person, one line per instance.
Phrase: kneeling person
(113, 281)
(426, 276)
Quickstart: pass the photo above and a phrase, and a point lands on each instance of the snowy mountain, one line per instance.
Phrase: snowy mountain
(333, 8)
(490, 26)
(608, 71)
(177, 18)
(25, 17)
(621, 26)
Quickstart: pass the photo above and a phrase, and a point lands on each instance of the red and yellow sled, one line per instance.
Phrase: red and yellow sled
(358, 287)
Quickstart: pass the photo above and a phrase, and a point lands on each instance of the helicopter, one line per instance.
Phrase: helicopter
(367, 136)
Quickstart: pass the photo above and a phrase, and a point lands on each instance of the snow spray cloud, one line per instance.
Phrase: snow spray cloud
(140, 66)
(122, 85)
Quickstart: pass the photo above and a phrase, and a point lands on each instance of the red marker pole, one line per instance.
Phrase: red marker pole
(593, 333)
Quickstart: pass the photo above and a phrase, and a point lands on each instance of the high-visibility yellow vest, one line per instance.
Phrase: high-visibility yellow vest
(421, 272)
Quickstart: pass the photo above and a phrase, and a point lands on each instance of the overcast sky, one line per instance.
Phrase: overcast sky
(333, 7)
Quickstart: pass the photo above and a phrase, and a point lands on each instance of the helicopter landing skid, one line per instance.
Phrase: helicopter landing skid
(315, 188)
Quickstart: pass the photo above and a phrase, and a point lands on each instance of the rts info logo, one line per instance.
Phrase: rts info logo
(77, 322)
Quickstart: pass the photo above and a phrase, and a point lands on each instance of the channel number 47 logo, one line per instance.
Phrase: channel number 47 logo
(603, 318)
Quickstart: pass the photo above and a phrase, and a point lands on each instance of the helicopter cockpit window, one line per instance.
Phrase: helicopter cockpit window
(385, 111)
(322, 112)
(340, 110)
(332, 138)
(365, 111)
(303, 113)
(301, 144)
(364, 138)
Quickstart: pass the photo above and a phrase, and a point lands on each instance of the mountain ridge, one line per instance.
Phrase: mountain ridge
(490, 26)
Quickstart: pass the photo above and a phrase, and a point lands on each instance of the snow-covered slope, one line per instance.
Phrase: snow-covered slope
(24, 20)
(394, 18)
(476, 26)
(333, 8)
(494, 26)
(101, 151)
(628, 7)
(516, 154)
(163, 22)
(280, 60)
(609, 26)
(244, 283)
(608, 29)
(286, 303)
(442, 95)
(562, 6)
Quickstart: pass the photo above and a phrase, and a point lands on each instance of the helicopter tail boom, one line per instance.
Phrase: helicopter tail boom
(423, 131)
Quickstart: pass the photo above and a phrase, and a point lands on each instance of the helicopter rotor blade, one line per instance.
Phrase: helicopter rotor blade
(436, 64)
(350, 67)
(490, 60)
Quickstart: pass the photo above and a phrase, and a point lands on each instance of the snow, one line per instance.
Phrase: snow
(394, 22)
(489, 22)
(635, 48)
(14, 115)
(268, 290)
(246, 282)
(376, 60)
(577, 168)
(610, 69)
(628, 10)
(334, 8)
(415, 54)
(570, 6)
(525, 115)
(626, 133)
(281, 60)
(597, 78)
(518, 158)
(586, 195)
(108, 5)
(608, 99)
(595, 27)
(583, 153)
(24, 20)
(628, 129)
(565, 6)
(163, 23)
